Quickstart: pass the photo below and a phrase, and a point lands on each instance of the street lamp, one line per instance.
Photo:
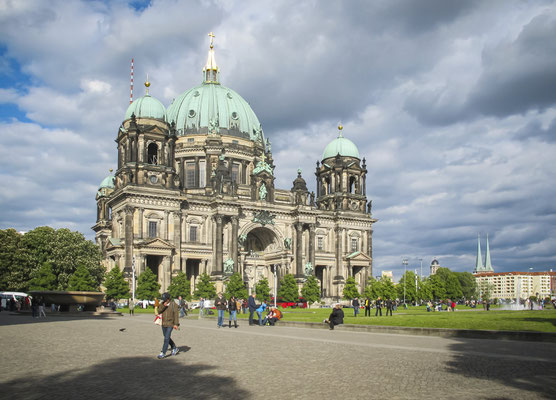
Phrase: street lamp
(404, 262)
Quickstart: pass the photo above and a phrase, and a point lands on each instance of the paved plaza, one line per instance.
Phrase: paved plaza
(96, 358)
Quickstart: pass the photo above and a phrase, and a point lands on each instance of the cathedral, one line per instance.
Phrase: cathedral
(194, 191)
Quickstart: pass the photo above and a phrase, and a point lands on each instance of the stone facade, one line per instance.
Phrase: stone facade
(204, 201)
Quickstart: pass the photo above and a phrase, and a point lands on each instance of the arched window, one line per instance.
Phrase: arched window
(152, 154)
(352, 186)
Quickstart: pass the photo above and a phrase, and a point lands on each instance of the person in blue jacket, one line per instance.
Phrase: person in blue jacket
(260, 311)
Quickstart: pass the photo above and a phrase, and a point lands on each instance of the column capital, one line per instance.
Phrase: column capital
(128, 210)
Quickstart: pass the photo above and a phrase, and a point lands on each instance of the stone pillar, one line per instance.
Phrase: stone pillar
(299, 273)
(312, 247)
(364, 186)
(166, 277)
(235, 229)
(128, 241)
(141, 211)
(177, 240)
(217, 268)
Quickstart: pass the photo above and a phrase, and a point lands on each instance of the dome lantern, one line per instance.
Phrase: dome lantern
(210, 71)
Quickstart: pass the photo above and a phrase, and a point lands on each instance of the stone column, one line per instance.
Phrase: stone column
(141, 211)
(299, 250)
(128, 241)
(235, 228)
(166, 277)
(364, 186)
(177, 239)
(337, 232)
(312, 247)
(165, 229)
(217, 268)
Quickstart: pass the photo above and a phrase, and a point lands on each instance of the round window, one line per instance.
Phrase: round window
(153, 178)
(234, 115)
(191, 113)
(229, 95)
(196, 93)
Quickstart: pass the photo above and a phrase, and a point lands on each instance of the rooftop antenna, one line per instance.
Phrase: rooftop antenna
(131, 94)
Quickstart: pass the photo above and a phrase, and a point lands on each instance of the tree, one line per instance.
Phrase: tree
(117, 287)
(82, 280)
(63, 249)
(350, 289)
(451, 283)
(44, 278)
(468, 284)
(180, 286)
(437, 287)
(288, 291)
(205, 288)
(147, 286)
(9, 258)
(311, 290)
(373, 290)
(407, 281)
(236, 287)
(388, 288)
(263, 290)
(485, 290)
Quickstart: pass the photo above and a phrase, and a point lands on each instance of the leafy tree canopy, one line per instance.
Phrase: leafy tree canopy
(82, 280)
(116, 286)
(180, 286)
(373, 290)
(263, 290)
(387, 287)
(311, 290)
(468, 284)
(205, 288)
(236, 287)
(288, 290)
(350, 289)
(148, 287)
(44, 278)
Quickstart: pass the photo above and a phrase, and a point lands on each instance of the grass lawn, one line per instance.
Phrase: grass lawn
(463, 318)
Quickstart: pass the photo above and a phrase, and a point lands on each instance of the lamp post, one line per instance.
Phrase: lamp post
(416, 288)
(133, 278)
(404, 262)
(421, 260)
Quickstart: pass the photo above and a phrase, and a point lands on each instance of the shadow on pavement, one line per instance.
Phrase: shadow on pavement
(129, 378)
(533, 376)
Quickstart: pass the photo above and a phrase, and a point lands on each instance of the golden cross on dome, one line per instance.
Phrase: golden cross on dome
(211, 39)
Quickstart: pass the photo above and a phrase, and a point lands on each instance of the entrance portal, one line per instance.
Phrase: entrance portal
(153, 263)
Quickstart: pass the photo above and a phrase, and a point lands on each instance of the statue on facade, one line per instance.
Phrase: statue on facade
(229, 266)
(308, 269)
(288, 243)
(369, 206)
(242, 238)
(262, 192)
(213, 127)
(312, 203)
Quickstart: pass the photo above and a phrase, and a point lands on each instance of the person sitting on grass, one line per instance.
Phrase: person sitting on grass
(336, 317)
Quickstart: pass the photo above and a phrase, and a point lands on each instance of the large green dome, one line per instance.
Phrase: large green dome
(146, 107)
(194, 109)
(342, 146)
(211, 108)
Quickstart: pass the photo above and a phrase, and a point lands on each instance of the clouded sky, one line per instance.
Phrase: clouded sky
(453, 105)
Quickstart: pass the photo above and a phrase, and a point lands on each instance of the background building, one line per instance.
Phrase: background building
(194, 192)
(518, 285)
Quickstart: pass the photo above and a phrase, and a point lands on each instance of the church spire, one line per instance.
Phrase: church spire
(479, 260)
(488, 265)
(210, 71)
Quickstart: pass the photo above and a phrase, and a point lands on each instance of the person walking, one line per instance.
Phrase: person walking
(367, 307)
(201, 307)
(170, 320)
(252, 308)
(389, 306)
(355, 304)
(181, 303)
(220, 304)
(41, 309)
(378, 307)
(232, 309)
(131, 307)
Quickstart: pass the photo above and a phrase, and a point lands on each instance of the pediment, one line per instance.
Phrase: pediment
(155, 243)
(358, 257)
(113, 243)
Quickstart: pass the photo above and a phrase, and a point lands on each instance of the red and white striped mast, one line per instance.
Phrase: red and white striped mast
(131, 94)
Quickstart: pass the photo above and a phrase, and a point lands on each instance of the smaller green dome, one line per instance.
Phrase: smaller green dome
(107, 182)
(146, 107)
(342, 146)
